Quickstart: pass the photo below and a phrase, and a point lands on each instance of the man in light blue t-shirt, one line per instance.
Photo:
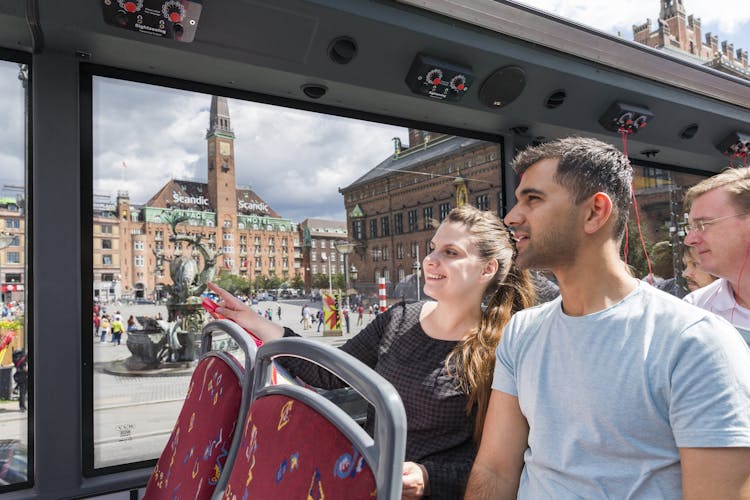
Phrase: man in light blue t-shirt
(614, 389)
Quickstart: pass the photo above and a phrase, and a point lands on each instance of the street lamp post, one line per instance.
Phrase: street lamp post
(417, 267)
(5, 241)
(345, 248)
(324, 257)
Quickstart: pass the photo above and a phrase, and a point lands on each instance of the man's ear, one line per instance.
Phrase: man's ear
(598, 212)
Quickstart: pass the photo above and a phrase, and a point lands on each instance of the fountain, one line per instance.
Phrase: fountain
(174, 341)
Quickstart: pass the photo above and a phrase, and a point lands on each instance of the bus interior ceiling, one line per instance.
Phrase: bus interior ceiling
(266, 50)
(275, 48)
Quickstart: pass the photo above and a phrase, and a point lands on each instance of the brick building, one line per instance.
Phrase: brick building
(249, 238)
(12, 248)
(391, 208)
(319, 254)
(681, 35)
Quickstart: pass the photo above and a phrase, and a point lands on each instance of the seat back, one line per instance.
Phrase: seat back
(197, 451)
(295, 443)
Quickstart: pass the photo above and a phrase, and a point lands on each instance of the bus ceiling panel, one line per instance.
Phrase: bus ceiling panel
(14, 31)
(641, 148)
(561, 35)
(263, 47)
(295, 40)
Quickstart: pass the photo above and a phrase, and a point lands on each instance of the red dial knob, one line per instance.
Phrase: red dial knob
(173, 10)
(130, 6)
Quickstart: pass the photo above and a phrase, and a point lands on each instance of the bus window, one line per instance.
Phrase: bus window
(15, 363)
(659, 193)
(256, 190)
(162, 154)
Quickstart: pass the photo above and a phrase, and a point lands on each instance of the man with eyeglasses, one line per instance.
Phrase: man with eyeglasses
(719, 232)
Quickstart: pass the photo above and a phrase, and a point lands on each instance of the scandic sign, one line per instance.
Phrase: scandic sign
(203, 201)
(12, 287)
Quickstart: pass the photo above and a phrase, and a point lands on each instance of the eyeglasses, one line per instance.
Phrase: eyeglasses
(701, 225)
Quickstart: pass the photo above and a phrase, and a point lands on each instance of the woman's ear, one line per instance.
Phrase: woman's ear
(490, 269)
(599, 211)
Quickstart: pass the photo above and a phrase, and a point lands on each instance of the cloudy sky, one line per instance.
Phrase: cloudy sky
(295, 160)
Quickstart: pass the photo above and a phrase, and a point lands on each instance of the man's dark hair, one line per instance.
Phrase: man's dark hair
(586, 166)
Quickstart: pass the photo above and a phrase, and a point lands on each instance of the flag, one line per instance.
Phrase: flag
(330, 312)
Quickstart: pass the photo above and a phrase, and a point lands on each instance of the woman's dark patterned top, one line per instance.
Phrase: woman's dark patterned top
(439, 432)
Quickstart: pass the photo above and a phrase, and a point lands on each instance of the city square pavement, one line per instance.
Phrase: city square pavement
(121, 432)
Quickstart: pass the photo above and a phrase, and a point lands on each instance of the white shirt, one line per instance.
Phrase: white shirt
(718, 298)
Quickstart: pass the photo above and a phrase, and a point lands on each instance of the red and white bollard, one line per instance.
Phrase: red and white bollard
(381, 294)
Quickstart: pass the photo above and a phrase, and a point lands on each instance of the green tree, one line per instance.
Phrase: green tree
(636, 259)
(232, 283)
(338, 281)
(320, 280)
(262, 283)
(297, 282)
(274, 282)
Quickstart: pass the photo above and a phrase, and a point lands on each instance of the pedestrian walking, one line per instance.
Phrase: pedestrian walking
(117, 329)
(103, 328)
(320, 316)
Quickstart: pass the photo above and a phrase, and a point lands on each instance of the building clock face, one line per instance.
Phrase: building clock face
(224, 148)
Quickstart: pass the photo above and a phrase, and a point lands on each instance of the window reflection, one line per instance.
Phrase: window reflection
(659, 193)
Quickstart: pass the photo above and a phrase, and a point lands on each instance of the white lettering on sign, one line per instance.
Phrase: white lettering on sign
(189, 200)
(253, 205)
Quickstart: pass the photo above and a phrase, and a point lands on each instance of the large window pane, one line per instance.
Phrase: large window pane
(14, 361)
(247, 178)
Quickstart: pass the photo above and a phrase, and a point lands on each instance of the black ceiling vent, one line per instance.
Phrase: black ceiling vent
(342, 50)
(555, 99)
(689, 131)
(314, 90)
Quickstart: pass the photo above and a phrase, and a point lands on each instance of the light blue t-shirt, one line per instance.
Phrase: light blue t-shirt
(611, 396)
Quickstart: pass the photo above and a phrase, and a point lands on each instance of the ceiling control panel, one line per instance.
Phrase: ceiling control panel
(438, 79)
(174, 19)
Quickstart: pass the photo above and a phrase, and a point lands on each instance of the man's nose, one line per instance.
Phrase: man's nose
(512, 217)
(692, 237)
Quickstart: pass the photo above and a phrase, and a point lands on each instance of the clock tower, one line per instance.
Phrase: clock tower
(222, 184)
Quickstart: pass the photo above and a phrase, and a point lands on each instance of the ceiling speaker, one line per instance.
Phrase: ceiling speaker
(502, 87)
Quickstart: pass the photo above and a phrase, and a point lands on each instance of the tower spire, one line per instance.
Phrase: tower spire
(219, 122)
(671, 8)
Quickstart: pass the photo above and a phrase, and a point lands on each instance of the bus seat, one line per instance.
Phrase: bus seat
(197, 452)
(295, 443)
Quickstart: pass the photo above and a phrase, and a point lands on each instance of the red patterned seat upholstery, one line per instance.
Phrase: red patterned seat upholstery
(197, 451)
(295, 443)
(288, 450)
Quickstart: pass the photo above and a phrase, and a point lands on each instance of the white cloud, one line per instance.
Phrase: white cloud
(730, 19)
(11, 125)
(294, 160)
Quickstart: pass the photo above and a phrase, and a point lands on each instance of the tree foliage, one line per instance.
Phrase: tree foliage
(636, 259)
(233, 283)
(320, 280)
(297, 282)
